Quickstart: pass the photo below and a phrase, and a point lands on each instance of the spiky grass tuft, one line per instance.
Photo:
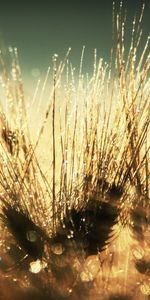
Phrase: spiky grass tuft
(77, 224)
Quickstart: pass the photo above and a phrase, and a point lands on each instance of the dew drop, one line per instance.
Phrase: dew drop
(69, 290)
(31, 236)
(37, 266)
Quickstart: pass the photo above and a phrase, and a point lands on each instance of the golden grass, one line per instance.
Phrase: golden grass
(91, 144)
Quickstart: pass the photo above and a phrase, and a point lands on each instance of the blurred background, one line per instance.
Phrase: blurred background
(41, 28)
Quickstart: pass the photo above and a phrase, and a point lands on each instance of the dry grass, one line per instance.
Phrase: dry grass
(84, 163)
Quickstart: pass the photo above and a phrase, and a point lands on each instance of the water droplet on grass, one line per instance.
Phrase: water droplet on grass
(37, 266)
(32, 236)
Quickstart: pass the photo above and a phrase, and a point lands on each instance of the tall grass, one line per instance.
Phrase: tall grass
(74, 165)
